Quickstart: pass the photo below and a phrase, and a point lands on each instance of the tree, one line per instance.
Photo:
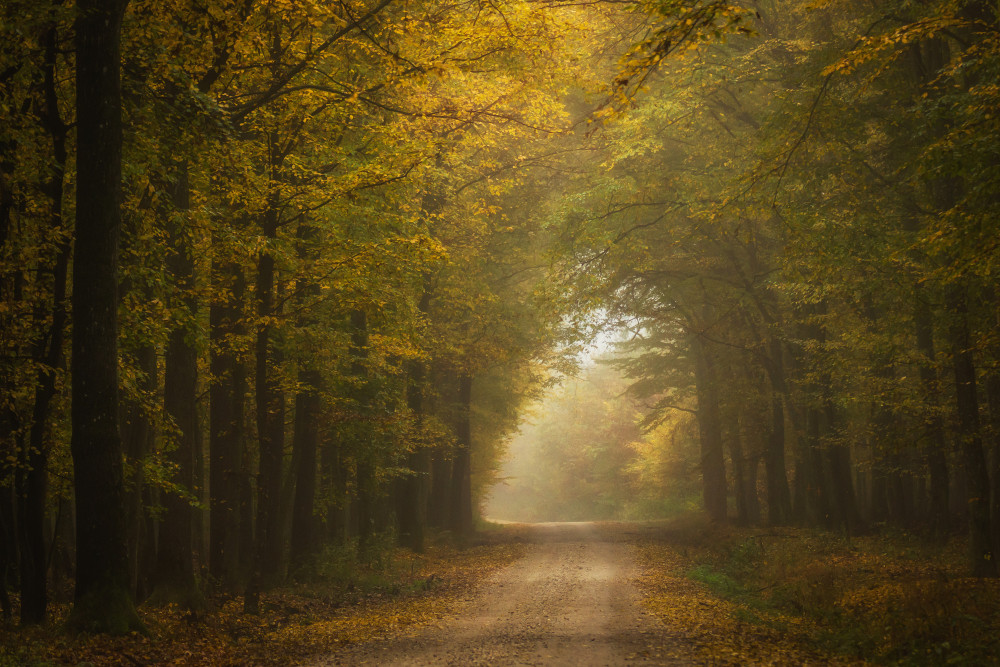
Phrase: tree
(102, 600)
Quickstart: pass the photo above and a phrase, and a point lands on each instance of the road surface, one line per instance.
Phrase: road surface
(570, 600)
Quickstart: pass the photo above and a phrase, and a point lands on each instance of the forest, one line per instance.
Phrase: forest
(282, 277)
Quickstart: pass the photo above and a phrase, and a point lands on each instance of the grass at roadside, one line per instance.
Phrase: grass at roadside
(792, 595)
(340, 604)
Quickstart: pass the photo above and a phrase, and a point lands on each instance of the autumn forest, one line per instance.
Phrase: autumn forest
(293, 283)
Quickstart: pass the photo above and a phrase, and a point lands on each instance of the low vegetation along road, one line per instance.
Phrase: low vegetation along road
(572, 599)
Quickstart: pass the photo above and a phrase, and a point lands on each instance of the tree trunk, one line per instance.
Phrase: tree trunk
(175, 579)
(305, 443)
(439, 509)
(461, 473)
(102, 599)
(845, 500)
(935, 444)
(8, 552)
(138, 434)
(48, 352)
(305, 439)
(779, 500)
(753, 500)
(713, 467)
(270, 429)
(738, 461)
(226, 434)
(967, 404)
(411, 493)
(993, 405)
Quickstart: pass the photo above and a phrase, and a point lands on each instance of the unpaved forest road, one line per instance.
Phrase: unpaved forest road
(570, 600)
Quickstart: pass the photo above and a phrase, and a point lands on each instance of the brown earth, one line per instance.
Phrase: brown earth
(571, 600)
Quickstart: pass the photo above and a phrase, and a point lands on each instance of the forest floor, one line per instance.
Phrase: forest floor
(676, 592)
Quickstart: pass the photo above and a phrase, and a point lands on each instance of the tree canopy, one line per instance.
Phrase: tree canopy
(285, 274)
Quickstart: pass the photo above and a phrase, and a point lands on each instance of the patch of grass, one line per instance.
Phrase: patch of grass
(718, 582)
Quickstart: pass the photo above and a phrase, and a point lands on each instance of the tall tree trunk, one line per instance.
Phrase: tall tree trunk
(779, 500)
(412, 489)
(738, 461)
(713, 470)
(305, 444)
(270, 425)
(336, 477)
(993, 405)
(226, 433)
(838, 455)
(10, 293)
(32, 482)
(138, 434)
(935, 444)
(981, 552)
(461, 473)
(364, 451)
(305, 438)
(175, 578)
(102, 599)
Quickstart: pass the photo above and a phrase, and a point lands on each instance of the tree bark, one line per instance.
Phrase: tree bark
(461, 474)
(713, 467)
(102, 599)
(981, 552)
(412, 489)
(270, 427)
(439, 510)
(305, 443)
(935, 444)
(138, 435)
(175, 578)
(226, 433)
(779, 500)
(32, 482)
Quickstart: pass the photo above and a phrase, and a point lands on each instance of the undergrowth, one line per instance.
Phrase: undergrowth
(336, 600)
(889, 598)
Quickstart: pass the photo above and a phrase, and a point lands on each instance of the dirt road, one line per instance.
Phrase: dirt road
(570, 601)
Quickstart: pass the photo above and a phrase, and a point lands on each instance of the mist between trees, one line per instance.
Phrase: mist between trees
(280, 275)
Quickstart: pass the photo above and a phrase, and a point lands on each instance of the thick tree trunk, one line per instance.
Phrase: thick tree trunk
(102, 600)
(713, 467)
(461, 473)
(738, 461)
(845, 500)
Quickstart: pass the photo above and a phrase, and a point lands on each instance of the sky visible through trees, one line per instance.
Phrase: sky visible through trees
(280, 276)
